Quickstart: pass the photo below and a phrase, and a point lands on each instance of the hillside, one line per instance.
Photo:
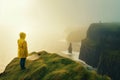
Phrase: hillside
(48, 66)
(101, 48)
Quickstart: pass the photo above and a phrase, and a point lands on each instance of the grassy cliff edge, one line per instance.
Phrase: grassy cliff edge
(49, 67)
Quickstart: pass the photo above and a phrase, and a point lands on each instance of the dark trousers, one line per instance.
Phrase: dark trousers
(22, 63)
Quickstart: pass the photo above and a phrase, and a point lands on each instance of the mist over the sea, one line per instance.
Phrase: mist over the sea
(50, 24)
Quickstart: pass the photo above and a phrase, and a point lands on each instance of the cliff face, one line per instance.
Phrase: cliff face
(101, 48)
(46, 66)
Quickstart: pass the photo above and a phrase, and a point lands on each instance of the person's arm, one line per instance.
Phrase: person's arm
(25, 48)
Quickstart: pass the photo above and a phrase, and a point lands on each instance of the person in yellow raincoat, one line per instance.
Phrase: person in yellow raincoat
(22, 50)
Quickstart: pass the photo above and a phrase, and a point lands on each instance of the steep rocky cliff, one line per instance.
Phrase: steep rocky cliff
(46, 66)
(101, 48)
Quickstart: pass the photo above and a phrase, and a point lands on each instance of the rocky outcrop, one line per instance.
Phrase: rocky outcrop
(101, 48)
(49, 67)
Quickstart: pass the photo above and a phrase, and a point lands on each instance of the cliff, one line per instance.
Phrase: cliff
(46, 66)
(101, 48)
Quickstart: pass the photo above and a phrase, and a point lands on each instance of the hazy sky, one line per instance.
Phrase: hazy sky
(44, 21)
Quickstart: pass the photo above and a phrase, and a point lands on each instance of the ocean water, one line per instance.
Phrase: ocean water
(74, 56)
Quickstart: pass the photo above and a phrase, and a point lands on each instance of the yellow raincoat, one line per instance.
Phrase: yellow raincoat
(22, 48)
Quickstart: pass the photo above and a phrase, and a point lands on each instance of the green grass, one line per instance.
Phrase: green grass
(49, 67)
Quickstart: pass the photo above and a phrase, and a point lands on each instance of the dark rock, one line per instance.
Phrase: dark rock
(101, 48)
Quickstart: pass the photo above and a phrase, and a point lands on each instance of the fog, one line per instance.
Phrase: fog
(48, 23)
